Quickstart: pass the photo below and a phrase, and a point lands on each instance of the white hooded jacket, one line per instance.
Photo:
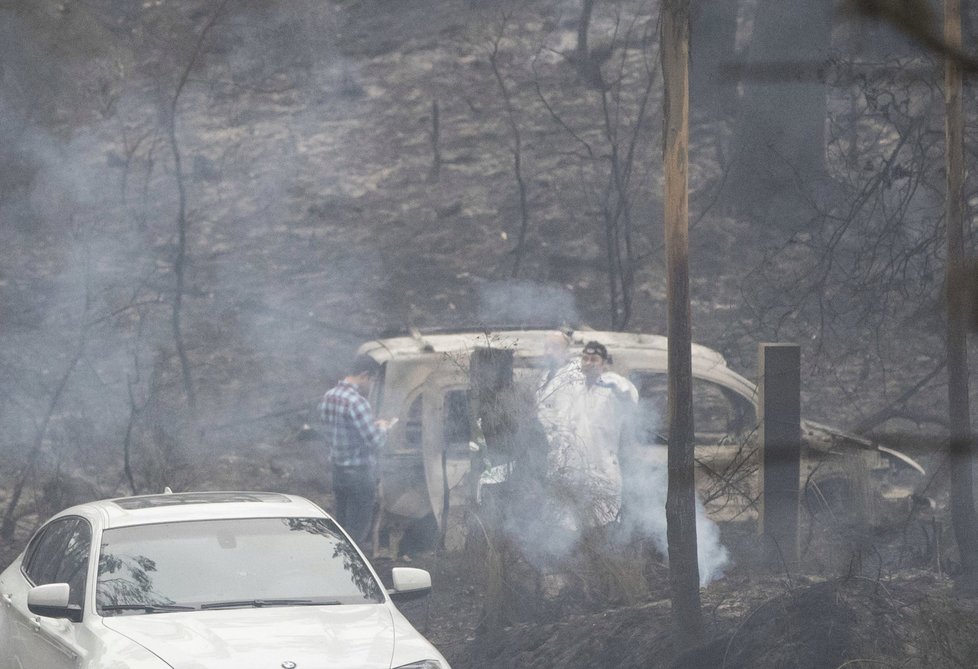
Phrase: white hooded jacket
(586, 428)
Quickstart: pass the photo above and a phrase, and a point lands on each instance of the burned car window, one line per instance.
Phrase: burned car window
(718, 413)
(456, 421)
(653, 395)
(714, 416)
(414, 426)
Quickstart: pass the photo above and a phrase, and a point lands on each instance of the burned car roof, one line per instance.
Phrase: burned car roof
(630, 351)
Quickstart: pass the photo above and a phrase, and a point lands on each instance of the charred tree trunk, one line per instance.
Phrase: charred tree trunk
(681, 496)
(514, 128)
(513, 436)
(490, 390)
(435, 170)
(779, 142)
(713, 28)
(183, 223)
(587, 60)
(583, 52)
(490, 383)
(963, 516)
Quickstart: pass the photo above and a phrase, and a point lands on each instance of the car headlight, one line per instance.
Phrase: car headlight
(424, 664)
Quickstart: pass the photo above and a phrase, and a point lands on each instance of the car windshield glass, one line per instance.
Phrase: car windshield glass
(222, 563)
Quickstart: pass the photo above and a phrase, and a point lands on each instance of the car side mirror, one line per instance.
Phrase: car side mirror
(409, 584)
(51, 601)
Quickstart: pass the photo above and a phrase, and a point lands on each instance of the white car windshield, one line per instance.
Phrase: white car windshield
(213, 564)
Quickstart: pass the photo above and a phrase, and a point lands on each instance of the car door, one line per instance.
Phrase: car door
(59, 553)
(12, 581)
(403, 486)
(447, 457)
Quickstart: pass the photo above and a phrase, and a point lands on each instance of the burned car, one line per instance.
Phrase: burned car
(430, 452)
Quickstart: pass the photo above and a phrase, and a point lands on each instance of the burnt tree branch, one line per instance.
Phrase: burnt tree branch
(180, 261)
(514, 129)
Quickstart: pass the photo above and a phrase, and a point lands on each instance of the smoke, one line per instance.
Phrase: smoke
(70, 337)
(646, 485)
(88, 214)
(525, 303)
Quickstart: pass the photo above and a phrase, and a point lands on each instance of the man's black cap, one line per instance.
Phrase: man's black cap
(596, 348)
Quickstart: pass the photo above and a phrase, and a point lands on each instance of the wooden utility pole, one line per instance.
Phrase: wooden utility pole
(681, 497)
(963, 517)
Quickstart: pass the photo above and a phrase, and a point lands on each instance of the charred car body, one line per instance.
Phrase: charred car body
(429, 455)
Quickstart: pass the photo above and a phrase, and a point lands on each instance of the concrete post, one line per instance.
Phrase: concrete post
(780, 387)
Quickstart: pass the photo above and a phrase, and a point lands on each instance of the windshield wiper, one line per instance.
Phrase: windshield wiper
(259, 603)
(147, 608)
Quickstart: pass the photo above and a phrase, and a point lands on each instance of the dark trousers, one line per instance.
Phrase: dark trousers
(355, 489)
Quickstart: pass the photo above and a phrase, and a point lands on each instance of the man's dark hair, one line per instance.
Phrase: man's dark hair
(364, 364)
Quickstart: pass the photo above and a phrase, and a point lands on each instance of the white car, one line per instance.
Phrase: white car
(207, 580)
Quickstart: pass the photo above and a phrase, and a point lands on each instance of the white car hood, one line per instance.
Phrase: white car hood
(312, 637)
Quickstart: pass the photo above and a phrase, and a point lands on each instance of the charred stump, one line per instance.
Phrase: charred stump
(514, 440)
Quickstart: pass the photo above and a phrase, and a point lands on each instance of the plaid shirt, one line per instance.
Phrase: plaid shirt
(352, 436)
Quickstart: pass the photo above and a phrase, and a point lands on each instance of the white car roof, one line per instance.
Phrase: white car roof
(176, 507)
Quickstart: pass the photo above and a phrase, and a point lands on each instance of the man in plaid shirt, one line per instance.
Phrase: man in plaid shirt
(354, 439)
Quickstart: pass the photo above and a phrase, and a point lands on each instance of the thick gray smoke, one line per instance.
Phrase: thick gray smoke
(647, 485)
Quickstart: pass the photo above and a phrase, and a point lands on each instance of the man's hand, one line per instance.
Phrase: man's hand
(386, 423)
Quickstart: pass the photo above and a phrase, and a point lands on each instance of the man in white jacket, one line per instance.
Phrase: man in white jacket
(589, 420)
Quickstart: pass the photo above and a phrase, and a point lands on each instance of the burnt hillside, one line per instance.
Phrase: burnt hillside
(206, 206)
